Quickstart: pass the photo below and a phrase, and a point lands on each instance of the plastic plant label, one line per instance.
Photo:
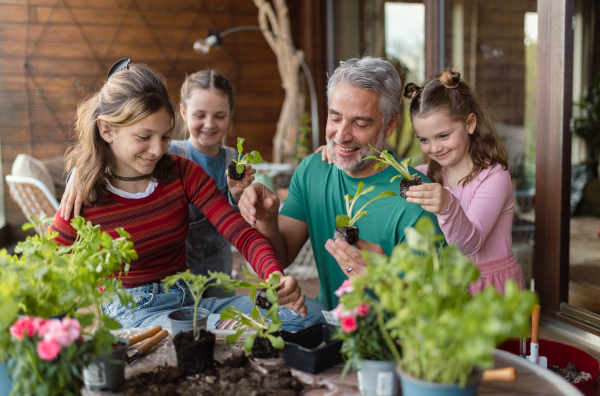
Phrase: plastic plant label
(361, 387)
(330, 318)
(385, 384)
(94, 375)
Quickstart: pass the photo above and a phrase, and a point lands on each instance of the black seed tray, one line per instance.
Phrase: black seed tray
(312, 350)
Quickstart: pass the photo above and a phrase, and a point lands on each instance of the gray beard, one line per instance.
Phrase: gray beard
(365, 151)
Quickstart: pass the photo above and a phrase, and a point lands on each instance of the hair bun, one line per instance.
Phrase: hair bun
(411, 90)
(450, 77)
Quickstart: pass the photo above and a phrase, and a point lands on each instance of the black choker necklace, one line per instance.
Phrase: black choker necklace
(136, 178)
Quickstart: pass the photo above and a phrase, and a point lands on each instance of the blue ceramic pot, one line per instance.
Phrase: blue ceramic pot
(5, 382)
(415, 387)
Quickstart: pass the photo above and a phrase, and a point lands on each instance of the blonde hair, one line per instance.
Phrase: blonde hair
(127, 97)
(447, 92)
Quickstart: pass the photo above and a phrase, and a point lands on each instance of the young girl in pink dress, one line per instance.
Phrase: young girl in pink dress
(471, 193)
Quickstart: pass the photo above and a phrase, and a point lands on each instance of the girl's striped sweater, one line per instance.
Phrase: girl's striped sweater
(158, 225)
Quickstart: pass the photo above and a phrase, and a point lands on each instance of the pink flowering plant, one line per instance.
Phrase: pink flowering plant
(360, 316)
(47, 356)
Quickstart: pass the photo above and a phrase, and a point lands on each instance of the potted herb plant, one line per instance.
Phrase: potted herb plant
(408, 180)
(237, 167)
(267, 340)
(447, 335)
(367, 345)
(194, 345)
(49, 280)
(345, 229)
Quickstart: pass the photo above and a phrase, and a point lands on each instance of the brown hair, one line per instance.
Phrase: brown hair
(205, 79)
(447, 92)
(127, 97)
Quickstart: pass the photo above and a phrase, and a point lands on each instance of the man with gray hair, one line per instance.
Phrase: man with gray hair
(363, 97)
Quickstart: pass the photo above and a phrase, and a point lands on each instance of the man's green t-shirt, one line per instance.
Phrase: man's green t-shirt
(316, 197)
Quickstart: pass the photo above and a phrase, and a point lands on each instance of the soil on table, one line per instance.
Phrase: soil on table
(348, 234)
(234, 376)
(405, 184)
(194, 356)
(571, 373)
(233, 173)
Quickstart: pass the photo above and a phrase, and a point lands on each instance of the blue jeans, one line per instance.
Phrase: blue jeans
(153, 305)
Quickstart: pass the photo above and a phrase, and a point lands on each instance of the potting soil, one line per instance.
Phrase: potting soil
(571, 373)
(234, 376)
(406, 184)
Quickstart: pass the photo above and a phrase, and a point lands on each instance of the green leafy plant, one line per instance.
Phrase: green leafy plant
(588, 124)
(444, 331)
(361, 327)
(386, 158)
(198, 285)
(256, 321)
(48, 279)
(350, 219)
(248, 159)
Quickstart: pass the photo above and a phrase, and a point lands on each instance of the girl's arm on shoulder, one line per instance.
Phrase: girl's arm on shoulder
(470, 230)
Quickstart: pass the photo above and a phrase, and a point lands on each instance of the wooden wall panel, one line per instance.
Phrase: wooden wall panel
(53, 53)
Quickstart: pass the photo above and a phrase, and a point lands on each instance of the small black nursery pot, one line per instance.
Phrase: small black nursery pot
(194, 356)
(348, 234)
(233, 173)
(405, 184)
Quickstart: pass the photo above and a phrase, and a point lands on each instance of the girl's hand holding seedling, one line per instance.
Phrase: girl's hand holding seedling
(431, 196)
(350, 258)
(325, 154)
(237, 187)
(290, 294)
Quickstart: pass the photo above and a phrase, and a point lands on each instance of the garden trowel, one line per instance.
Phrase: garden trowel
(145, 347)
(534, 346)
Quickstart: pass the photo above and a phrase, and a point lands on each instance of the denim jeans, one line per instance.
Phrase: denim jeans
(154, 305)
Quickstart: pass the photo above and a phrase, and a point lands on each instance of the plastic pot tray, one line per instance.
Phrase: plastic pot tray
(313, 349)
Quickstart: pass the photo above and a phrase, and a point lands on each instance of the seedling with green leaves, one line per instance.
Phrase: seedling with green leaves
(386, 158)
(345, 229)
(237, 167)
(198, 285)
(266, 331)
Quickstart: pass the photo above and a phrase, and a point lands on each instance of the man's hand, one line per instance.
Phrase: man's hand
(71, 199)
(258, 203)
(290, 294)
(325, 154)
(431, 196)
(348, 257)
(237, 187)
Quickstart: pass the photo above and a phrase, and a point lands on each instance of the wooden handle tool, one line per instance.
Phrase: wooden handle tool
(144, 335)
(508, 374)
(535, 325)
(144, 348)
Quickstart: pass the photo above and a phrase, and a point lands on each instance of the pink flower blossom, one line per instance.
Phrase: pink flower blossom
(348, 324)
(346, 287)
(362, 309)
(48, 349)
(64, 332)
(26, 326)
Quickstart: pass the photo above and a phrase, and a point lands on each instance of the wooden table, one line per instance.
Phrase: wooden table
(531, 379)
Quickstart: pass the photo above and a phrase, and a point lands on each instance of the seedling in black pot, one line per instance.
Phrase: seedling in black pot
(408, 180)
(345, 229)
(267, 340)
(237, 167)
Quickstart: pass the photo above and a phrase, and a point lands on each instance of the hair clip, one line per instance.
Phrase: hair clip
(413, 95)
(118, 66)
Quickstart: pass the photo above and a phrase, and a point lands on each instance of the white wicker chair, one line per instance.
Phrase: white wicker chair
(32, 196)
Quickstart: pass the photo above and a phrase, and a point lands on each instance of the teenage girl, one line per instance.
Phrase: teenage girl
(127, 179)
(207, 101)
(472, 193)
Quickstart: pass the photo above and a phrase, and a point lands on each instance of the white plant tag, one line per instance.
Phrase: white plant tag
(330, 318)
(385, 384)
(94, 375)
(361, 387)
